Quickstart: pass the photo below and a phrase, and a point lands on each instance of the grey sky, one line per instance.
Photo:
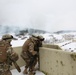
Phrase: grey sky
(50, 15)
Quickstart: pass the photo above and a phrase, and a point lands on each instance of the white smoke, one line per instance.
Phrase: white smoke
(50, 15)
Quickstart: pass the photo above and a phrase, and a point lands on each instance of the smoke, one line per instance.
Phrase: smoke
(50, 15)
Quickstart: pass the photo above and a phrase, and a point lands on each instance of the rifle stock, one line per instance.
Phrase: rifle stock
(14, 62)
(16, 66)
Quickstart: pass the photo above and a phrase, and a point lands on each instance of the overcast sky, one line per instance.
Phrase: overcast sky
(50, 15)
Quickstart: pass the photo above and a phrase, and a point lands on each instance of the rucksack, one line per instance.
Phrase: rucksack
(3, 51)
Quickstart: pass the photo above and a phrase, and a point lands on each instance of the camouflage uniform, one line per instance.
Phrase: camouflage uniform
(5, 66)
(30, 54)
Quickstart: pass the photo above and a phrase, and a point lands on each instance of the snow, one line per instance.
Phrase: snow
(70, 46)
(15, 72)
(58, 39)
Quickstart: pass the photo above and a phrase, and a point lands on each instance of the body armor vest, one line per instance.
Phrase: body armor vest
(3, 51)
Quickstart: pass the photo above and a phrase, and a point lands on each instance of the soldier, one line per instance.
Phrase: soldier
(7, 55)
(30, 53)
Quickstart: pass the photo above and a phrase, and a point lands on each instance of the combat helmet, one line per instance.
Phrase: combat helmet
(41, 38)
(34, 35)
(7, 36)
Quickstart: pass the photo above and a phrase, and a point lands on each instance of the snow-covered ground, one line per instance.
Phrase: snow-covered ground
(65, 41)
(68, 46)
(15, 72)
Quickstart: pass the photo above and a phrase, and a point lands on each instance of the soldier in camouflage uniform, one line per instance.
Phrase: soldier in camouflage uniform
(7, 52)
(30, 53)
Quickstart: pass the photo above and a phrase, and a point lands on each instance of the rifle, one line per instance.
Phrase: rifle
(39, 44)
(32, 60)
(16, 66)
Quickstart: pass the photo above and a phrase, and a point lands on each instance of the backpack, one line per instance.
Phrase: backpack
(3, 51)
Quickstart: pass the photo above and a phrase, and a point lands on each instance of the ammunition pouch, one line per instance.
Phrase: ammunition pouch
(4, 67)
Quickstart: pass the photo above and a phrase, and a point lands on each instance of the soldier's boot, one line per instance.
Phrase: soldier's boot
(25, 71)
(31, 73)
(35, 68)
(38, 68)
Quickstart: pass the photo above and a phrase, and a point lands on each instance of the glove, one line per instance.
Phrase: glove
(34, 52)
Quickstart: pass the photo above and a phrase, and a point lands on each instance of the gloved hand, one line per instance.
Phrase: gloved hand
(34, 52)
